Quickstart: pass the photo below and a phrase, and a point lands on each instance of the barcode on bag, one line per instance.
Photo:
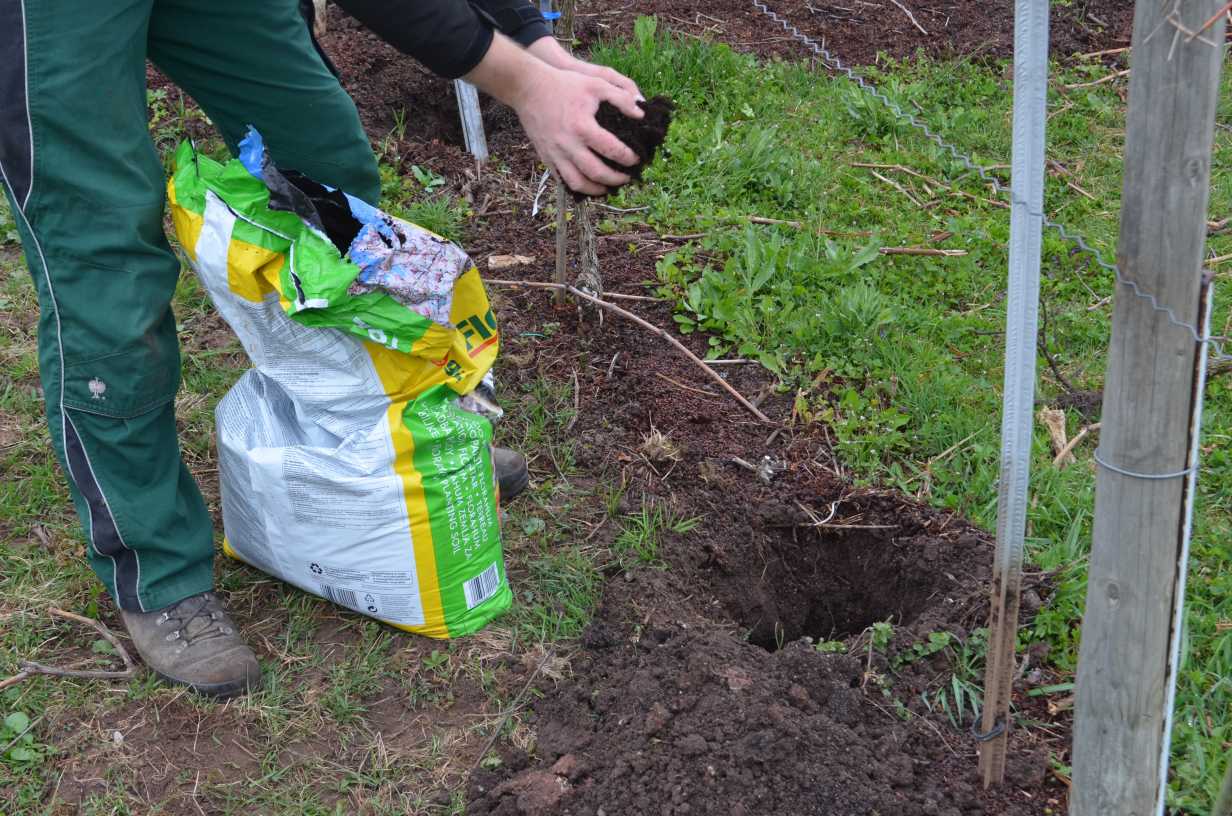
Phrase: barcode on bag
(481, 587)
(344, 597)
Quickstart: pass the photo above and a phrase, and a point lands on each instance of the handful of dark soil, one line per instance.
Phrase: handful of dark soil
(643, 136)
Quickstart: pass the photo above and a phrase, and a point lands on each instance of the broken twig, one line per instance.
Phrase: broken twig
(542, 285)
(931, 252)
(1060, 460)
(1100, 81)
(910, 17)
(28, 668)
(714, 375)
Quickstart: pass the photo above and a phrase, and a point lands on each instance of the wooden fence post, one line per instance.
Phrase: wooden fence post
(1136, 572)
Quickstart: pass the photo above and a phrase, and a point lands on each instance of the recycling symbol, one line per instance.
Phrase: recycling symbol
(369, 598)
(316, 568)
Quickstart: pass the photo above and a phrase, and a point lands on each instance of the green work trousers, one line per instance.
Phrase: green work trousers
(87, 191)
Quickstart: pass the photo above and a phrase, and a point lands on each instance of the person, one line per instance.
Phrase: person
(86, 188)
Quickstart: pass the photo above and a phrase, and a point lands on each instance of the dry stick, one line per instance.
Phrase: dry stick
(900, 188)
(1061, 170)
(577, 403)
(24, 731)
(541, 285)
(758, 219)
(1059, 460)
(679, 384)
(1219, 260)
(960, 193)
(1100, 81)
(612, 307)
(714, 375)
(910, 16)
(927, 251)
(14, 680)
(1214, 19)
(1105, 53)
(28, 668)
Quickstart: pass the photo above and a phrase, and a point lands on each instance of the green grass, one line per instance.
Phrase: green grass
(903, 356)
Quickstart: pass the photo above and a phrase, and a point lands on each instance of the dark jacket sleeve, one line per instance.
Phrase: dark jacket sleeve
(517, 19)
(450, 37)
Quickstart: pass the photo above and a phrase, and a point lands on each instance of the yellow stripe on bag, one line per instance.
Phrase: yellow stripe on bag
(253, 271)
(188, 224)
(391, 368)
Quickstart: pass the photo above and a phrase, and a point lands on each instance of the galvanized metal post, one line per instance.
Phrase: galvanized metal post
(1021, 321)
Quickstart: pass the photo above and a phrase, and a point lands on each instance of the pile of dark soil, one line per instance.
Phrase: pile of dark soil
(643, 136)
(694, 722)
(698, 689)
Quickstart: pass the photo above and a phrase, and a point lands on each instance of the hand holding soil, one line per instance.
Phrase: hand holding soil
(643, 135)
(559, 117)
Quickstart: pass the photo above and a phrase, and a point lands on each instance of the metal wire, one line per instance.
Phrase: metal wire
(1078, 240)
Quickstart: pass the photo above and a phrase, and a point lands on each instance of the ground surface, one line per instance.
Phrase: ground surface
(661, 657)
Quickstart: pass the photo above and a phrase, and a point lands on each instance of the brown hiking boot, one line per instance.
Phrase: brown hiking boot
(511, 473)
(194, 643)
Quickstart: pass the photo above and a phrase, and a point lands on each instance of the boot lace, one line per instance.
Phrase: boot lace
(196, 619)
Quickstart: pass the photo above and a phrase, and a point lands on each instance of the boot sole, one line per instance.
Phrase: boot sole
(219, 691)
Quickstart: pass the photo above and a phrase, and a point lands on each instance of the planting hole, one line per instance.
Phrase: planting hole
(832, 587)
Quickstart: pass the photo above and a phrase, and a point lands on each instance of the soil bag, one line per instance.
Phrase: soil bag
(354, 457)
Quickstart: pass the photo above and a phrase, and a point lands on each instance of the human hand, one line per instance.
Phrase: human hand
(551, 52)
(557, 109)
(558, 114)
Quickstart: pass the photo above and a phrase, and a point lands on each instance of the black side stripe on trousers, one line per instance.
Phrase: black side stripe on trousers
(16, 140)
(104, 535)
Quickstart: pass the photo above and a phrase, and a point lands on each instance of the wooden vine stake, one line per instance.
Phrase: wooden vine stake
(565, 31)
(588, 278)
(1148, 449)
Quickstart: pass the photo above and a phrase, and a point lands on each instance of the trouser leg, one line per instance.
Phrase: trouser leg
(86, 188)
(255, 64)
